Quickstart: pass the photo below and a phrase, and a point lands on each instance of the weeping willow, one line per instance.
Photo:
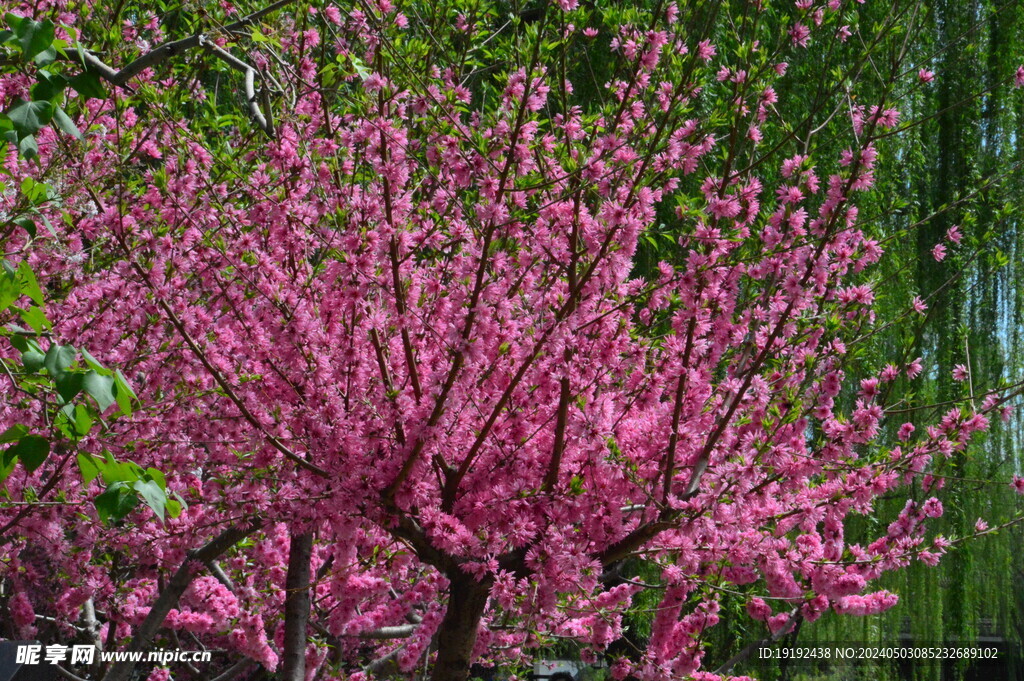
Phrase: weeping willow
(959, 162)
(960, 166)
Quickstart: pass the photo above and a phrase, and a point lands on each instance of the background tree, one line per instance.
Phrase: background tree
(376, 268)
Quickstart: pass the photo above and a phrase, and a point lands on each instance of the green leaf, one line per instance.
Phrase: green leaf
(32, 360)
(32, 450)
(69, 384)
(101, 388)
(58, 358)
(47, 56)
(82, 421)
(173, 508)
(65, 123)
(94, 363)
(35, 318)
(29, 285)
(123, 393)
(360, 68)
(157, 477)
(49, 86)
(116, 502)
(6, 467)
(14, 433)
(154, 497)
(36, 192)
(28, 147)
(28, 225)
(89, 466)
(88, 85)
(46, 223)
(30, 117)
(9, 292)
(32, 36)
(116, 471)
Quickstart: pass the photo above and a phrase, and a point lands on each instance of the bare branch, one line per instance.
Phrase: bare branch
(170, 49)
(399, 631)
(250, 84)
(234, 670)
(177, 585)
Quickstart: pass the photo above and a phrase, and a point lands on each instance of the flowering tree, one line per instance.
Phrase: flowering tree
(404, 396)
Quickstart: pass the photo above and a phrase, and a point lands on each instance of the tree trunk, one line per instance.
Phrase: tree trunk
(457, 634)
(296, 608)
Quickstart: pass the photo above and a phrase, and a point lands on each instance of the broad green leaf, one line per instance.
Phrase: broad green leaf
(29, 285)
(30, 117)
(9, 291)
(49, 86)
(6, 467)
(157, 476)
(94, 363)
(116, 502)
(47, 56)
(154, 497)
(173, 508)
(35, 191)
(88, 85)
(65, 123)
(32, 360)
(28, 147)
(83, 421)
(33, 36)
(101, 388)
(117, 471)
(35, 318)
(14, 433)
(69, 384)
(89, 466)
(31, 450)
(28, 225)
(58, 358)
(123, 393)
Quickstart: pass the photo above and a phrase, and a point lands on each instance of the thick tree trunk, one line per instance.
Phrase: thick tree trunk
(296, 608)
(457, 634)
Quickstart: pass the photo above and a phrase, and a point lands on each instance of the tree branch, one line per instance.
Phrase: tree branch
(234, 670)
(170, 49)
(262, 116)
(296, 607)
(168, 598)
(748, 649)
(250, 84)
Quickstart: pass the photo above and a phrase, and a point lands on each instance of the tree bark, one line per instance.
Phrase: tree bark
(456, 637)
(296, 608)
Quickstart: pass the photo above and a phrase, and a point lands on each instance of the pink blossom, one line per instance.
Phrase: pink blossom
(705, 50)
(960, 372)
(939, 252)
(925, 76)
(799, 34)
(758, 609)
